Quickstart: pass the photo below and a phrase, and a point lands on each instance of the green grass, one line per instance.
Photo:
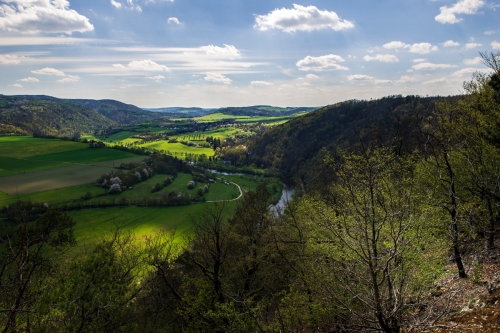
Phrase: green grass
(26, 154)
(217, 117)
(177, 148)
(120, 136)
(222, 133)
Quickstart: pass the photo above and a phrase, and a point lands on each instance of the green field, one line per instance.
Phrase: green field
(217, 117)
(177, 148)
(26, 154)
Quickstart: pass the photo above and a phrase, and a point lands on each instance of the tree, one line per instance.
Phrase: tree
(375, 240)
(28, 257)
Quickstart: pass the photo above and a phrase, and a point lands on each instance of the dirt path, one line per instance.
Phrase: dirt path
(239, 188)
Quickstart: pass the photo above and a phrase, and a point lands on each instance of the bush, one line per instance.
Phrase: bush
(115, 188)
(138, 176)
(200, 191)
(156, 188)
(205, 189)
(191, 184)
(167, 181)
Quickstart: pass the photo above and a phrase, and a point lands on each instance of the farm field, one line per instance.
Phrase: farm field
(177, 148)
(26, 154)
(58, 177)
(217, 117)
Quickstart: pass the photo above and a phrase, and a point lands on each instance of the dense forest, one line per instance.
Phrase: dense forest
(412, 195)
(49, 116)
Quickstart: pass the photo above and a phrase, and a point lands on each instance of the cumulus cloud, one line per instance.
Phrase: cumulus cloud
(469, 71)
(495, 45)
(322, 63)
(49, 71)
(8, 59)
(451, 43)
(448, 14)
(173, 20)
(312, 77)
(145, 65)
(360, 78)
(422, 48)
(116, 4)
(17, 85)
(261, 83)
(41, 16)
(29, 79)
(406, 79)
(427, 66)
(470, 46)
(396, 45)
(474, 61)
(129, 5)
(301, 18)
(436, 81)
(419, 60)
(217, 78)
(382, 58)
(228, 51)
(119, 66)
(157, 78)
(69, 78)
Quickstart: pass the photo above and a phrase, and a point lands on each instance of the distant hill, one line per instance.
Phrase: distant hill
(298, 147)
(182, 112)
(264, 111)
(45, 115)
(123, 114)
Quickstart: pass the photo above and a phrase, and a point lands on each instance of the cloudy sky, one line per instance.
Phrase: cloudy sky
(213, 53)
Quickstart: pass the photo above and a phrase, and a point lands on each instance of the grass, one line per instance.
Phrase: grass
(222, 133)
(26, 154)
(217, 117)
(120, 136)
(177, 148)
(59, 177)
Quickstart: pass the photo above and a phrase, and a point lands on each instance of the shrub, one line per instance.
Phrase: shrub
(145, 173)
(138, 176)
(200, 191)
(115, 180)
(205, 189)
(156, 188)
(115, 188)
(167, 181)
(191, 184)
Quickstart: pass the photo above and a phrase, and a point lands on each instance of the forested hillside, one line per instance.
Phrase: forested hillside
(48, 116)
(123, 114)
(298, 147)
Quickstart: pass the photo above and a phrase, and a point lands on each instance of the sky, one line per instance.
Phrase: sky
(216, 53)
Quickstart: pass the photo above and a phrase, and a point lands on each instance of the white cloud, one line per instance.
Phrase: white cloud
(261, 83)
(436, 81)
(419, 60)
(495, 45)
(448, 14)
(312, 77)
(146, 65)
(49, 71)
(470, 46)
(173, 20)
(217, 78)
(322, 63)
(395, 45)
(474, 61)
(157, 78)
(382, 58)
(360, 78)
(490, 32)
(469, 71)
(427, 66)
(228, 51)
(118, 66)
(17, 85)
(301, 18)
(116, 4)
(8, 59)
(422, 48)
(29, 79)
(41, 16)
(129, 5)
(406, 79)
(451, 43)
(70, 78)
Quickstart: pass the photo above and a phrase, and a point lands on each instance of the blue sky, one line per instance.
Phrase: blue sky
(156, 53)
